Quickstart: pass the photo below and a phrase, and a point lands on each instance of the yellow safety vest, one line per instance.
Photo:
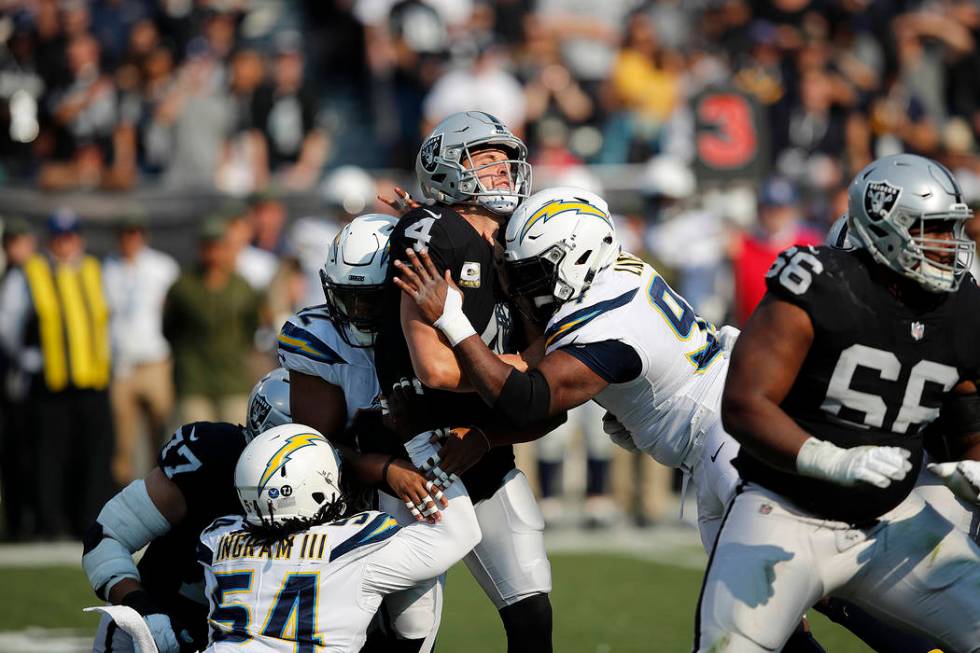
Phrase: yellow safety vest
(73, 320)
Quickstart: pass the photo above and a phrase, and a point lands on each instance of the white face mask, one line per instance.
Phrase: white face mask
(499, 204)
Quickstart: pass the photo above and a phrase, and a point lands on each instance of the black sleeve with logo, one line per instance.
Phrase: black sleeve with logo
(455, 245)
(200, 459)
(880, 366)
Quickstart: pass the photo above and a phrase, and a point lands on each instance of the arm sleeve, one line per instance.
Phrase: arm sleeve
(613, 360)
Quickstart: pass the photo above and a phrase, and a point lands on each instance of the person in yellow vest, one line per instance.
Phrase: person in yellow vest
(54, 325)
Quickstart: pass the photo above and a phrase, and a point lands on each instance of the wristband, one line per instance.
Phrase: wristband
(384, 469)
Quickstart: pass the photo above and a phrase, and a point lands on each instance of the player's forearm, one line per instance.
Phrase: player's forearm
(366, 468)
(485, 370)
(501, 437)
(764, 429)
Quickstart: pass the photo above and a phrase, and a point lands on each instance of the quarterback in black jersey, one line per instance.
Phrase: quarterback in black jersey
(192, 484)
(849, 357)
(475, 172)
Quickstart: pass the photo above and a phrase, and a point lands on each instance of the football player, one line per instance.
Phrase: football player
(192, 484)
(614, 331)
(850, 355)
(475, 173)
(329, 352)
(288, 576)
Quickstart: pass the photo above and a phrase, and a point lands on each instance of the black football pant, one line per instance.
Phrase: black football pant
(73, 438)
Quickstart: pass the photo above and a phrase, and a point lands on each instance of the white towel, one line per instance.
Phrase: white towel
(132, 623)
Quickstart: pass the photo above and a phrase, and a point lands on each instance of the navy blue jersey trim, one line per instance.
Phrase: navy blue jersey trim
(613, 360)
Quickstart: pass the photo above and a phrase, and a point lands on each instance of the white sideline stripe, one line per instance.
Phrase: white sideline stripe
(43, 640)
(673, 544)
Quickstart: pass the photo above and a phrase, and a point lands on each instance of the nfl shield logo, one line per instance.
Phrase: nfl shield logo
(918, 330)
(880, 198)
(430, 150)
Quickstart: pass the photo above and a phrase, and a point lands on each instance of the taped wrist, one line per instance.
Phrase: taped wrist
(525, 398)
(453, 322)
(128, 522)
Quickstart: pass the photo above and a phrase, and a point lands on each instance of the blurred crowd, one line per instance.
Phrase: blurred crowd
(723, 131)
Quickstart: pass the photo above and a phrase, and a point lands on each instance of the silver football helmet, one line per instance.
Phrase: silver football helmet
(895, 206)
(444, 166)
(268, 404)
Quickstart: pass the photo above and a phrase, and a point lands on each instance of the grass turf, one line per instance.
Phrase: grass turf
(602, 603)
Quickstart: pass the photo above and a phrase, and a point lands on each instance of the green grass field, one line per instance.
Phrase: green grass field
(603, 604)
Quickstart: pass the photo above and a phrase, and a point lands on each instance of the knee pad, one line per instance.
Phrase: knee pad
(415, 613)
(528, 625)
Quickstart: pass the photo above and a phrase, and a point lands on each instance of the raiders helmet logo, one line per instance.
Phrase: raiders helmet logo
(257, 413)
(430, 150)
(880, 198)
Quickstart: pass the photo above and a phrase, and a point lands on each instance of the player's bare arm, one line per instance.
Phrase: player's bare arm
(316, 403)
(764, 365)
(559, 383)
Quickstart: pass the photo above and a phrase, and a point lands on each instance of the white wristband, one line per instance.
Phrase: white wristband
(453, 322)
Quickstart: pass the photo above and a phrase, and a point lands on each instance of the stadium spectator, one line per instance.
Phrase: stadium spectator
(19, 245)
(779, 227)
(136, 282)
(54, 330)
(210, 317)
(286, 113)
(268, 217)
(257, 266)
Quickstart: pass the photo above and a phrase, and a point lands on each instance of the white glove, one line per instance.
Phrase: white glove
(962, 477)
(163, 633)
(727, 335)
(453, 322)
(617, 432)
(878, 466)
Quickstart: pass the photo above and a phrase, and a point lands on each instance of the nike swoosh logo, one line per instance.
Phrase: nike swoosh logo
(193, 436)
(718, 451)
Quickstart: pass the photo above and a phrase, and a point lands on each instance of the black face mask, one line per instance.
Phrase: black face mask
(357, 306)
(528, 282)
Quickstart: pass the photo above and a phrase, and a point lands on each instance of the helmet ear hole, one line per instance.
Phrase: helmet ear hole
(319, 497)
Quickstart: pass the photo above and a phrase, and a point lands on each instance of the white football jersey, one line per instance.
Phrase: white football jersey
(317, 591)
(677, 395)
(309, 343)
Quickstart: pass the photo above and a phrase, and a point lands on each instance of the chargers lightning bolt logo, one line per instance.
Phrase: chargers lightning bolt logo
(293, 444)
(556, 207)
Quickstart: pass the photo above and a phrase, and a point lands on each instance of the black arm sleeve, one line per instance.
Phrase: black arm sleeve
(525, 399)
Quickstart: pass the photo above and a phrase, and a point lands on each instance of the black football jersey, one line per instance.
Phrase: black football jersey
(455, 245)
(882, 362)
(200, 459)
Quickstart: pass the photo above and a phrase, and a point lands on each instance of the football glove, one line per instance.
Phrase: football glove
(962, 477)
(617, 432)
(164, 633)
(878, 466)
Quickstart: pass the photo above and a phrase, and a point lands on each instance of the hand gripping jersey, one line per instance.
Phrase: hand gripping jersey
(455, 245)
(309, 343)
(665, 385)
(200, 459)
(317, 590)
(877, 372)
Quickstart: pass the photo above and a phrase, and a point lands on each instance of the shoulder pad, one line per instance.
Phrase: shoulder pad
(574, 317)
(365, 528)
(201, 452)
(803, 275)
(311, 334)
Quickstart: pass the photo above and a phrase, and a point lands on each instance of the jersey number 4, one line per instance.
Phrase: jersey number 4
(419, 232)
(292, 617)
(840, 394)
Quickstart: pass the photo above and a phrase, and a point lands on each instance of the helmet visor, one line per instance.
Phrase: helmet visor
(360, 306)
